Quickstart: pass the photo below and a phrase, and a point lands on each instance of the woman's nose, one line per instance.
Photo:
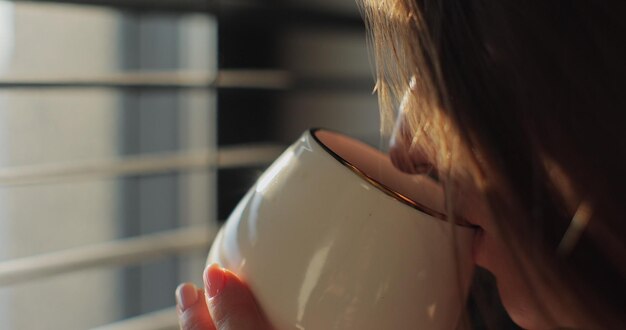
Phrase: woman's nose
(407, 155)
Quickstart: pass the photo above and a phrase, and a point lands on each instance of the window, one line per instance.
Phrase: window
(128, 128)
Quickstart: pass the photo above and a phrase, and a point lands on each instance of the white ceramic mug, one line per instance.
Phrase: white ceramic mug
(331, 237)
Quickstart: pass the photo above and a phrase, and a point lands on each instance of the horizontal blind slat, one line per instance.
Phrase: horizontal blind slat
(226, 78)
(114, 253)
(165, 319)
(225, 157)
(200, 6)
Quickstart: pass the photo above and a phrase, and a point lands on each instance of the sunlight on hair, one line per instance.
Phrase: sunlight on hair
(575, 229)
(409, 86)
(432, 309)
(394, 9)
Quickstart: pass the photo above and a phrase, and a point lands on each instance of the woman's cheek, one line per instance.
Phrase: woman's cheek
(493, 254)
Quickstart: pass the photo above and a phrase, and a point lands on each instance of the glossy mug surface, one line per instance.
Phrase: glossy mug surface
(330, 237)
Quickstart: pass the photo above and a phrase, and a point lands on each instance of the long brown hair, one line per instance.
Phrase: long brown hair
(525, 95)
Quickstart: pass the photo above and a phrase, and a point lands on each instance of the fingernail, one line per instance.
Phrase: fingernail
(186, 295)
(214, 280)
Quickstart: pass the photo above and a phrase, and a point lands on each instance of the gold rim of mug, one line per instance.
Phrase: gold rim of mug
(386, 190)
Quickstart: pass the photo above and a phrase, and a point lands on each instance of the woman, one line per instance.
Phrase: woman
(518, 107)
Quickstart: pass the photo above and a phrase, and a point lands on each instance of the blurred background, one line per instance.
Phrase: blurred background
(130, 128)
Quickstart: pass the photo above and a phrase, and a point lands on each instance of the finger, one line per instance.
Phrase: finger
(231, 303)
(193, 313)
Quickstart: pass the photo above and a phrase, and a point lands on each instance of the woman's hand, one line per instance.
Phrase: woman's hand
(225, 303)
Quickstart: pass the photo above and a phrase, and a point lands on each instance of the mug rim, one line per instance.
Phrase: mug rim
(380, 186)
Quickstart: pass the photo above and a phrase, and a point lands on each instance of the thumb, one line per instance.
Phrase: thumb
(230, 302)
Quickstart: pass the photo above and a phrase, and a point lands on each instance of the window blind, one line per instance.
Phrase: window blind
(123, 121)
